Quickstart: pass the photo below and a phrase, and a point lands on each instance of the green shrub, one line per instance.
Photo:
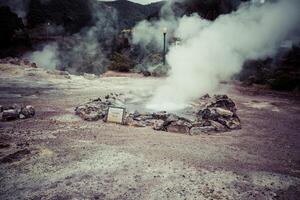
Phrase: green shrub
(285, 82)
(120, 63)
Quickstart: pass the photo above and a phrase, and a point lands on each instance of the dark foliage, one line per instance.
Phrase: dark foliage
(71, 14)
(280, 73)
(12, 32)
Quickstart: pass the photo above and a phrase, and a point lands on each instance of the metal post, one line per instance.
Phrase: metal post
(164, 53)
(47, 28)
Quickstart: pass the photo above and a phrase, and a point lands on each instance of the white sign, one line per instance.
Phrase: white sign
(115, 115)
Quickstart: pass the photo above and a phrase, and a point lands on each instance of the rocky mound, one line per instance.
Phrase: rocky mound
(14, 112)
(97, 109)
(217, 114)
(18, 61)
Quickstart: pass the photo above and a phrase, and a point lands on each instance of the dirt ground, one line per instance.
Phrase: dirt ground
(56, 155)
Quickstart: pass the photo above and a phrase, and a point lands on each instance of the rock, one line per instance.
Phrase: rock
(136, 114)
(171, 118)
(179, 126)
(202, 123)
(201, 130)
(90, 113)
(1, 108)
(206, 96)
(137, 123)
(218, 127)
(160, 115)
(21, 116)
(231, 123)
(90, 76)
(234, 124)
(146, 73)
(8, 115)
(143, 118)
(15, 61)
(91, 116)
(159, 125)
(33, 65)
(28, 111)
(223, 101)
(224, 112)
(16, 107)
(207, 113)
(159, 70)
(26, 62)
(97, 109)
(128, 120)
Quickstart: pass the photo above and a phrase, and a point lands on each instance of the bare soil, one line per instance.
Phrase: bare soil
(57, 155)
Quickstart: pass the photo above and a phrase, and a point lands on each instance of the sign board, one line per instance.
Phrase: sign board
(115, 115)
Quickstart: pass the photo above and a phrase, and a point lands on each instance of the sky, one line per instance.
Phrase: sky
(139, 1)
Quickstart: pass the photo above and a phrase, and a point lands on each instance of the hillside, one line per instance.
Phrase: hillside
(130, 13)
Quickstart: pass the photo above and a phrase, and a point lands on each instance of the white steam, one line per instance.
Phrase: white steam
(85, 51)
(47, 57)
(215, 51)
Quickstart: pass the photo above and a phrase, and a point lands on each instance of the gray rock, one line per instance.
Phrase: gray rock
(202, 123)
(8, 115)
(207, 113)
(231, 123)
(16, 107)
(179, 126)
(91, 116)
(171, 118)
(223, 101)
(160, 115)
(26, 62)
(21, 116)
(136, 114)
(234, 124)
(33, 65)
(224, 112)
(144, 117)
(159, 125)
(206, 96)
(219, 127)
(27, 111)
(138, 123)
(146, 73)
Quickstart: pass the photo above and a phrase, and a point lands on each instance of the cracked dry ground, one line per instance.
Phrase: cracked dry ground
(70, 158)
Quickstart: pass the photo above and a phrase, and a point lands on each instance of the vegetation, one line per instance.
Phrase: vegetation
(120, 62)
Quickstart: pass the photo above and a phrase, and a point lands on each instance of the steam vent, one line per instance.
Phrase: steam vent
(149, 100)
(209, 115)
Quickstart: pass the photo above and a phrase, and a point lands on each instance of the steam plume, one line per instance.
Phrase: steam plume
(85, 51)
(47, 56)
(215, 51)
